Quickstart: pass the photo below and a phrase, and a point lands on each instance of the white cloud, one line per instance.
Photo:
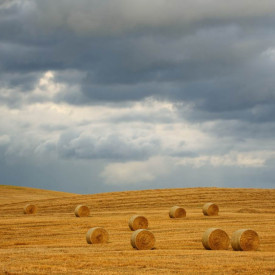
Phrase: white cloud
(105, 131)
(135, 171)
(120, 16)
(47, 87)
(115, 133)
(249, 159)
(134, 131)
(4, 140)
(269, 53)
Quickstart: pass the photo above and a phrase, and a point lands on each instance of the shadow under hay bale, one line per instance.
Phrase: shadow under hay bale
(215, 239)
(138, 222)
(210, 209)
(97, 235)
(245, 240)
(82, 211)
(143, 239)
(177, 212)
(30, 209)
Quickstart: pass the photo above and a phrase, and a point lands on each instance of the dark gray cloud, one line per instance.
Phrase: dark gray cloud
(114, 147)
(71, 176)
(24, 82)
(209, 54)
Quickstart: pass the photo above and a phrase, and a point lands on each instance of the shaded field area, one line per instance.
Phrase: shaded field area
(53, 240)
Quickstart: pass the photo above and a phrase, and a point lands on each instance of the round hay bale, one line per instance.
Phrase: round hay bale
(245, 240)
(30, 209)
(210, 209)
(82, 211)
(97, 235)
(143, 239)
(177, 212)
(138, 222)
(215, 239)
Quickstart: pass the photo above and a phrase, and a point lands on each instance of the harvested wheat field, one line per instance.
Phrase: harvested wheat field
(53, 240)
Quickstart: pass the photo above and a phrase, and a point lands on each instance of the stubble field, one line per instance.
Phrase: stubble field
(53, 240)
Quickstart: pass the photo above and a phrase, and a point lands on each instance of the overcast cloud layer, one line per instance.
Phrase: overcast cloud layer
(99, 96)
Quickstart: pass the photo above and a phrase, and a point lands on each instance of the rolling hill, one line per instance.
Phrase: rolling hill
(53, 240)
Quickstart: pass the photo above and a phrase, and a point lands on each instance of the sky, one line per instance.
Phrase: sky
(99, 96)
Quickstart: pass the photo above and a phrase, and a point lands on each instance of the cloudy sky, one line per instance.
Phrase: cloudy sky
(99, 96)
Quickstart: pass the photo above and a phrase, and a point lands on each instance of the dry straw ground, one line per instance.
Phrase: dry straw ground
(53, 241)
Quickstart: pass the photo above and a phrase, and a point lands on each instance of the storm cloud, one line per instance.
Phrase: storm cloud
(141, 91)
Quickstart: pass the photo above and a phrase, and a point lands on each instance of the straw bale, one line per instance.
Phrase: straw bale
(177, 212)
(215, 239)
(245, 240)
(138, 222)
(30, 209)
(97, 235)
(143, 239)
(210, 209)
(82, 211)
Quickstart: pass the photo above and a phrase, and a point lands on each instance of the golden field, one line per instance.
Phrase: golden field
(53, 240)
